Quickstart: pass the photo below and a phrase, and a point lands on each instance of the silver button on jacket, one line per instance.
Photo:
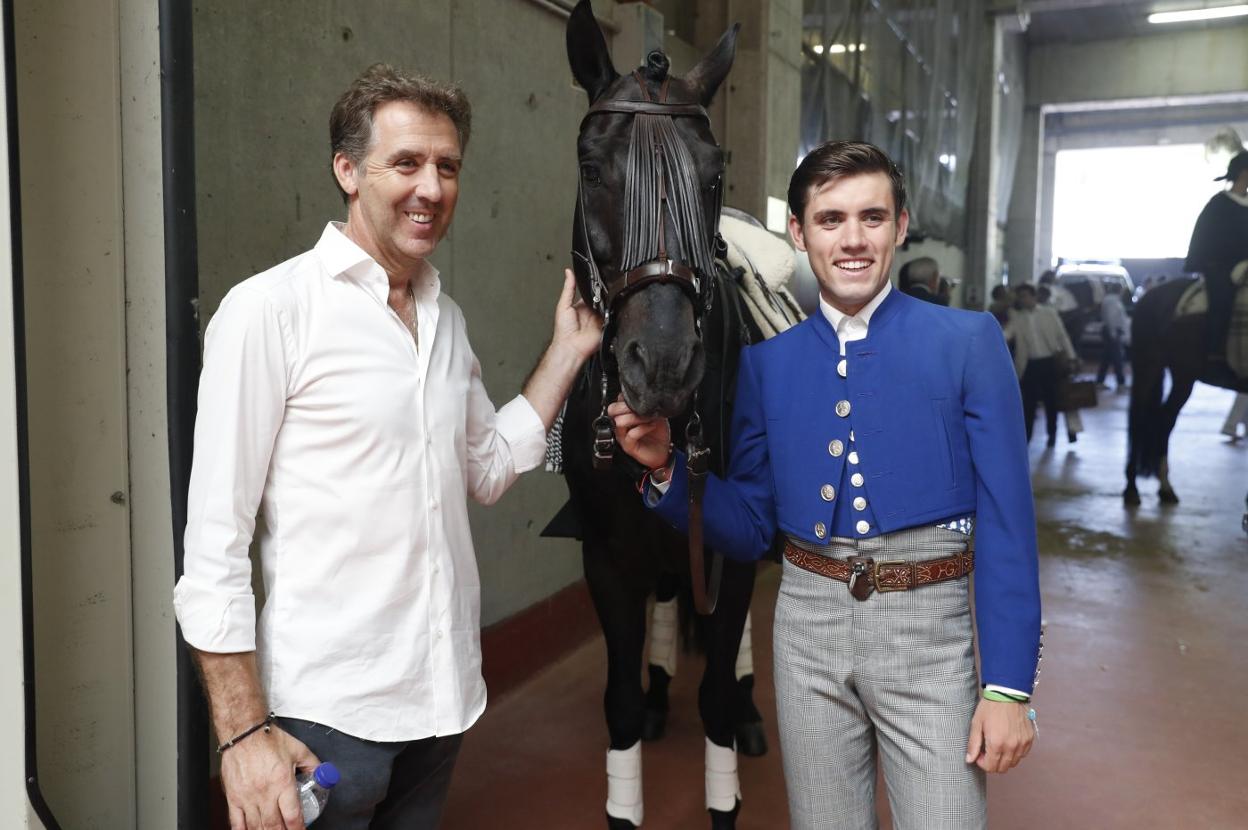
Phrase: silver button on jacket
(828, 492)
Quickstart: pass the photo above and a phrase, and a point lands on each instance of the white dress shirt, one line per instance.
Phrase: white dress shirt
(318, 408)
(1037, 333)
(852, 327)
(1113, 315)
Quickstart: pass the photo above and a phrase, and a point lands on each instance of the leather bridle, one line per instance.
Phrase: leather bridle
(647, 183)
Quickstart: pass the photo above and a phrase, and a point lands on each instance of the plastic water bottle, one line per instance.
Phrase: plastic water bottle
(314, 789)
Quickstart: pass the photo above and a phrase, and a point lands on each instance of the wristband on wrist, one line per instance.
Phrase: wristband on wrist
(265, 724)
(1002, 697)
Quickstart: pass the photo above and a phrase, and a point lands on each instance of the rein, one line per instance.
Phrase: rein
(657, 161)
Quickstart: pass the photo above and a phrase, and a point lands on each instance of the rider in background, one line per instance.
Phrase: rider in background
(1219, 242)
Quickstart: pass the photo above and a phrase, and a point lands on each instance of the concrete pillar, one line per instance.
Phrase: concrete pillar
(758, 115)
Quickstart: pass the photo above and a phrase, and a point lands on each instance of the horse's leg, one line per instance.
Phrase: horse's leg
(1179, 393)
(751, 739)
(717, 693)
(661, 665)
(621, 608)
(1144, 418)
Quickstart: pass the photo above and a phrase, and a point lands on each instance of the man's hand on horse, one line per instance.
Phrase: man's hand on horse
(647, 438)
(577, 327)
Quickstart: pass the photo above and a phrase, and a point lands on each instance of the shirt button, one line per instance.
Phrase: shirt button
(836, 447)
(860, 503)
(828, 492)
(842, 408)
(821, 530)
(862, 527)
(853, 458)
(856, 479)
(840, 368)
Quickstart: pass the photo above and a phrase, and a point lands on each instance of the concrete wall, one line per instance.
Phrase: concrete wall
(15, 809)
(70, 137)
(1174, 65)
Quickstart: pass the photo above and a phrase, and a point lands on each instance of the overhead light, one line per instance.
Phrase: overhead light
(841, 48)
(1192, 15)
(818, 48)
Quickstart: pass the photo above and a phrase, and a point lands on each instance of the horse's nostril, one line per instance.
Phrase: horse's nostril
(636, 352)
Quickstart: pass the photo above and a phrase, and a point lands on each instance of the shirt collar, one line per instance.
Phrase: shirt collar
(1236, 198)
(343, 258)
(836, 317)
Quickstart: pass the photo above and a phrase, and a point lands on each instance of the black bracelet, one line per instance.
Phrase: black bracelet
(264, 724)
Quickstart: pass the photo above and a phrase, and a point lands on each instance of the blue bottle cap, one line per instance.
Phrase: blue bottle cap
(327, 775)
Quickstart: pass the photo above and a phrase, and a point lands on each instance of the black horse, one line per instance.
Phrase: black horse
(644, 253)
(1162, 342)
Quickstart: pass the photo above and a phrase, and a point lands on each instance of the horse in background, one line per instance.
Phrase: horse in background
(1165, 340)
(644, 248)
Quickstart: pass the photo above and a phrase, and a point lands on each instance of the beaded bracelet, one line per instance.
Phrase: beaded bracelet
(265, 724)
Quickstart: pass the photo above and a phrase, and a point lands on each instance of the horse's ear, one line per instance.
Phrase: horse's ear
(705, 78)
(587, 52)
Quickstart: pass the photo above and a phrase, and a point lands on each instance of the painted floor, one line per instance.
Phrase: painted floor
(1142, 704)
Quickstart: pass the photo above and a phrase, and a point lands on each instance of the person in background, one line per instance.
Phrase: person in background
(1074, 421)
(1220, 242)
(1043, 355)
(1002, 301)
(1238, 416)
(922, 279)
(1114, 329)
(944, 294)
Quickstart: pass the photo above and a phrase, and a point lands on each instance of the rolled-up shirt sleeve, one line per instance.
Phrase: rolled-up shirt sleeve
(242, 394)
(502, 444)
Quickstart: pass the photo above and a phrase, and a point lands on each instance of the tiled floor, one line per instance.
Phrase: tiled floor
(1144, 695)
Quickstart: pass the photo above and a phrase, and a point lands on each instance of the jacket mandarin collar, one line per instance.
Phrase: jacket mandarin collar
(886, 311)
(343, 258)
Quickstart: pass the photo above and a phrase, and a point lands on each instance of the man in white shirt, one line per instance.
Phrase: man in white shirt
(1114, 329)
(1043, 354)
(340, 398)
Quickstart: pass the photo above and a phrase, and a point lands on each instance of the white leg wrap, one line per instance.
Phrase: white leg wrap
(745, 651)
(723, 788)
(624, 783)
(663, 636)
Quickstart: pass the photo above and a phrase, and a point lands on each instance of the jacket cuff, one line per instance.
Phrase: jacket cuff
(212, 622)
(521, 427)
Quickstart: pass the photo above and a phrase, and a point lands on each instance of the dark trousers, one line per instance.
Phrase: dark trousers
(1039, 384)
(1111, 355)
(384, 786)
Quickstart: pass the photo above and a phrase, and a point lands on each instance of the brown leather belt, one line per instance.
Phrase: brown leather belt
(863, 574)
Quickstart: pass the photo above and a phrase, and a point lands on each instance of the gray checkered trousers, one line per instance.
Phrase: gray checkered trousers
(893, 675)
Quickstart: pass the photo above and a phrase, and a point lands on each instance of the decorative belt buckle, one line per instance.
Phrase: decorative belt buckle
(892, 563)
(861, 577)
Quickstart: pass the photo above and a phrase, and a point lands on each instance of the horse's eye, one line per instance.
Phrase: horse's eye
(591, 174)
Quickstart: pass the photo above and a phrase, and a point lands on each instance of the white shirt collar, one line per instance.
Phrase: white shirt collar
(1236, 198)
(841, 321)
(342, 257)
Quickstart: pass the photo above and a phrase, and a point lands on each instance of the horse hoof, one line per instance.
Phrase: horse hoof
(721, 820)
(1131, 497)
(614, 823)
(751, 739)
(654, 725)
(1168, 497)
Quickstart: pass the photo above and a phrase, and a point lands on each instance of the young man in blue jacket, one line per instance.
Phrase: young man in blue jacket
(877, 436)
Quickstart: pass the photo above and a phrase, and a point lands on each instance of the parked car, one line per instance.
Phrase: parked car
(1086, 281)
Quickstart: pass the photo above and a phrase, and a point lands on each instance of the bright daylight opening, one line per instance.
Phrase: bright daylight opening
(1130, 202)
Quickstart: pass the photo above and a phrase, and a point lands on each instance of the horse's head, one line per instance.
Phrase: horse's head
(648, 206)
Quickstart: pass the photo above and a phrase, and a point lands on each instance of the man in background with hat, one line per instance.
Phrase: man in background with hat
(1219, 243)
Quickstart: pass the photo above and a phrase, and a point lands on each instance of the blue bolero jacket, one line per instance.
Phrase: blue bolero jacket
(938, 423)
